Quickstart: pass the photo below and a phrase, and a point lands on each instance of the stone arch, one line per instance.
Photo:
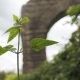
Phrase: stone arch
(42, 15)
(54, 20)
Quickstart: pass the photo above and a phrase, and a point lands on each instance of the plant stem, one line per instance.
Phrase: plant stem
(18, 76)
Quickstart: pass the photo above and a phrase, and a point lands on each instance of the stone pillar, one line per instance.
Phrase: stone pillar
(42, 14)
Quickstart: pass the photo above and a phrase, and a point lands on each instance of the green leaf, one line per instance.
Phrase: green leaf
(24, 20)
(13, 32)
(5, 49)
(12, 35)
(74, 10)
(8, 48)
(39, 43)
(1, 50)
(15, 18)
(11, 29)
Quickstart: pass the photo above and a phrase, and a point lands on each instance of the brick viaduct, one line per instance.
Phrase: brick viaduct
(42, 14)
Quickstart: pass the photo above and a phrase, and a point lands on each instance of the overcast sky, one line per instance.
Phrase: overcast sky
(59, 32)
(7, 9)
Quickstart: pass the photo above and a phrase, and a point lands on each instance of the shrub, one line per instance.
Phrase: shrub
(11, 76)
(2, 75)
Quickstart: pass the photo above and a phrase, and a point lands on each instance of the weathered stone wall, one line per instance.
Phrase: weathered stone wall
(42, 14)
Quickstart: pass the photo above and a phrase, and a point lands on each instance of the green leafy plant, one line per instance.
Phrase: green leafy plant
(36, 44)
(13, 32)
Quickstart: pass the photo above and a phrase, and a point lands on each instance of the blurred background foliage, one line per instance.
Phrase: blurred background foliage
(65, 65)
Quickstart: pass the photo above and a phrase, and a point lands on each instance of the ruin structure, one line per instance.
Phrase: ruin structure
(42, 14)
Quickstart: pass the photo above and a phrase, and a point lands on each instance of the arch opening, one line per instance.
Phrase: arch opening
(61, 32)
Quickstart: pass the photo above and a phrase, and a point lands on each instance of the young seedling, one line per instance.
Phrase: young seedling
(13, 32)
(36, 44)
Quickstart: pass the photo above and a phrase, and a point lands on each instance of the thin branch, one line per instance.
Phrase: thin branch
(18, 56)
